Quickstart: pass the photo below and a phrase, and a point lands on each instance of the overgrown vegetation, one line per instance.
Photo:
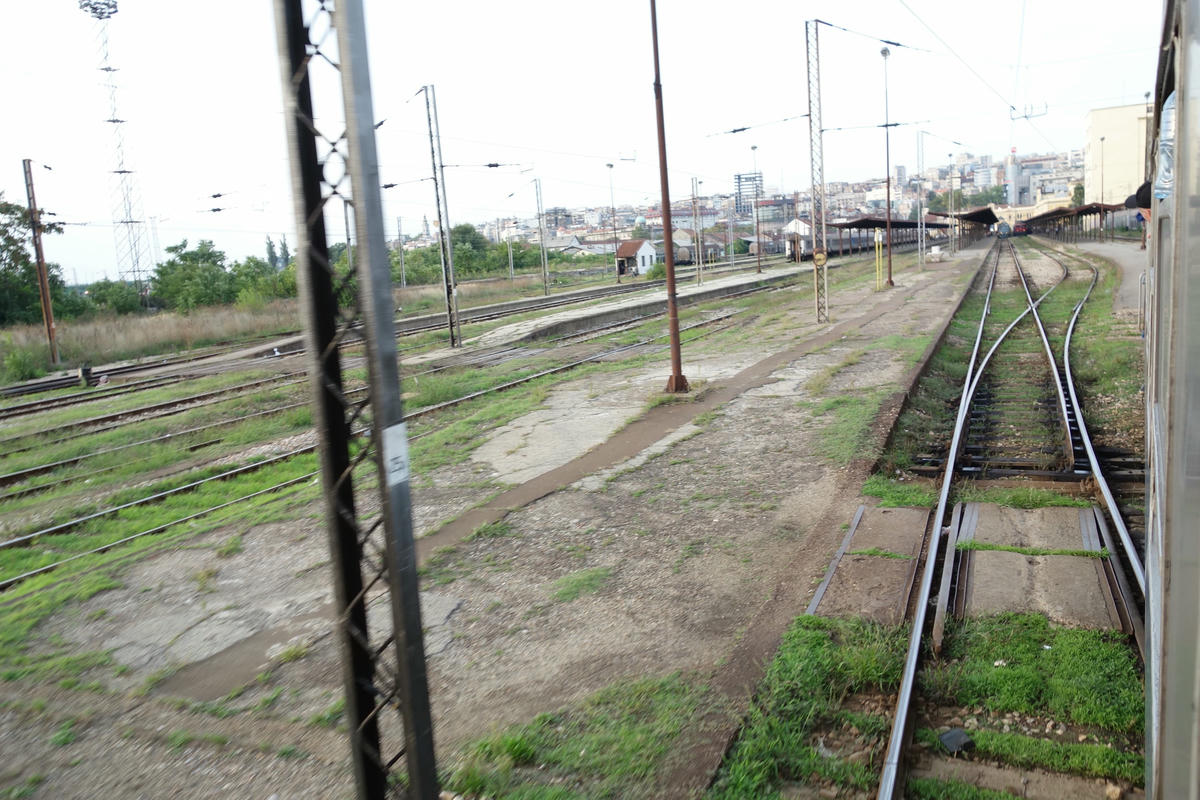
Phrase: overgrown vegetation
(819, 664)
(1018, 497)
(609, 746)
(1020, 663)
(893, 493)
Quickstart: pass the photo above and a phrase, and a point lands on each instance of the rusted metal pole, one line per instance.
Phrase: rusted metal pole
(35, 222)
(677, 382)
(887, 147)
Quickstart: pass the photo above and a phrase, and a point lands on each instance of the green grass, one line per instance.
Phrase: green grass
(1029, 752)
(491, 530)
(179, 739)
(819, 663)
(293, 652)
(934, 789)
(609, 746)
(1018, 662)
(26, 788)
(232, 546)
(330, 717)
(899, 494)
(64, 735)
(576, 584)
(1032, 551)
(1018, 497)
(875, 551)
(845, 435)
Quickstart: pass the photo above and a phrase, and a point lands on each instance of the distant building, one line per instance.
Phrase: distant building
(747, 188)
(1123, 169)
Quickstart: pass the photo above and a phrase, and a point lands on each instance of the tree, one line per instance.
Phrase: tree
(272, 256)
(640, 232)
(1077, 196)
(193, 278)
(285, 255)
(20, 300)
(118, 297)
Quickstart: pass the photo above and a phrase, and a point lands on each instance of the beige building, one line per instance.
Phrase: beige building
(1115, 152)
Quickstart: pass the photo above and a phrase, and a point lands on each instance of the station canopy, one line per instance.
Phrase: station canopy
(980, 216)
(1079, 211)
(868, 223)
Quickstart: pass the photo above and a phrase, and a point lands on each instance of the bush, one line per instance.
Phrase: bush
(657, 272)
(21, 365)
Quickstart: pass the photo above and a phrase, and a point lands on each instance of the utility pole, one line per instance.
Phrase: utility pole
(537, 182)
(887, 147)
(349, 246)
(508, 239)
(920, 201)
(400, 244)
(729, 245)
(757, 230)
(443, 230)
(817, 163)
(35, 222)
(457, 338)
(697, 246)
(612, 210)
(677, 383)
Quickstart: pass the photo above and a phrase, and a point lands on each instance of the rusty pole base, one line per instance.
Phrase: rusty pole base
(677, 384)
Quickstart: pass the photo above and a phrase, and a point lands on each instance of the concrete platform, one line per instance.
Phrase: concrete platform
(874, 574)
(1068, 589)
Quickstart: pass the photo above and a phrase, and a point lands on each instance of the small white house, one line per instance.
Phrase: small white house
(635, 257)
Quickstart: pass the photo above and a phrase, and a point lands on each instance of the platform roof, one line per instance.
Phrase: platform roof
(980, 216)
(1078, 211)
(868, 223)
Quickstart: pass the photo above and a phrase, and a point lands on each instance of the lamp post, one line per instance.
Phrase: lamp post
(887, 149)
(1102, 213)
(612, 208)
(757, 233)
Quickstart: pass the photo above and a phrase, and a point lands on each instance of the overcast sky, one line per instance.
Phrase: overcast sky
(559, 88)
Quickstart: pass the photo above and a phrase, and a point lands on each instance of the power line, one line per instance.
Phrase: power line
(956, 55)
(869, 36)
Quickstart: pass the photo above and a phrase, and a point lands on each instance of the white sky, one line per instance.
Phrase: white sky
(559, 87)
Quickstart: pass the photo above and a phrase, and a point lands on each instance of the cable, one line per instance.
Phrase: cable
(1009, 105)
(759, 125)
(873, 38)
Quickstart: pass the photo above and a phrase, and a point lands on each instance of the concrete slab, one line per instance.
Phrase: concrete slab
(1068, 590)
(1048, 528)
(877, 587)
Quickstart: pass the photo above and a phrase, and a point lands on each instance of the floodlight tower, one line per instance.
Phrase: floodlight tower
(132, 261)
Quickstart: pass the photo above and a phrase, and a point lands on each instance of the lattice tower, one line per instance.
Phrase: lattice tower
(133, 263)
(817, 156)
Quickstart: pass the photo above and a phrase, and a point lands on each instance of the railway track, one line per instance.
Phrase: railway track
(33, 538)
(1017, 414)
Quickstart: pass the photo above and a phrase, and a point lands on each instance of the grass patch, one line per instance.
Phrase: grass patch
(1033, 551)
(1018, 497)
(899, 494)
(934, 789)
(1028, 752)
(844, 437)
(609, 746)
(290, 751)
(23, 789)
(875, 551)
(1018, 662)
(330, 717)
(231, 547)
(819, 663)
(584, 581)
(293, 652)
(491, 530)
(64, 735)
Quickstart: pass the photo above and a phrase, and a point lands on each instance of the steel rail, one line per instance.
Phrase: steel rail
(78, 398)
(891, 767)
(1135, 561)
(1059, 394)
(891, 763)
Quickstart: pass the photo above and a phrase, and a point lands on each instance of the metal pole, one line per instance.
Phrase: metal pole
(612, 208)
(35, 222)
(400, 241)
(453, 297)
(404, 687)
(349, 246)
(443, 237)
(510, 261)
(537, 183)
(677, 382)
(757, 231)
(887, 149)
(696, 245)
(920, 200)
(730, 245)
(817, 163)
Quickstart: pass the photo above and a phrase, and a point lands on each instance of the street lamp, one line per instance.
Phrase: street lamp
(1102, 214)
(887, 148)
(612, 207)
(757, 234)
